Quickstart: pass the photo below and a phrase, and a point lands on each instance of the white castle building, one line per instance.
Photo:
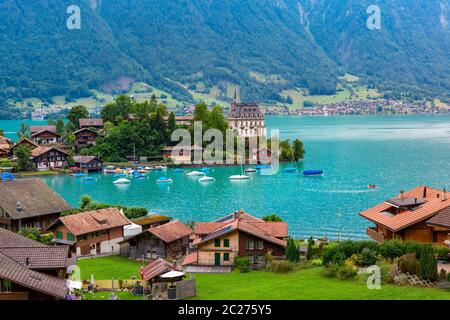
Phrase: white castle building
(247, 119)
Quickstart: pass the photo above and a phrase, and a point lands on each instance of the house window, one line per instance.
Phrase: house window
(250, 245)
(217, 243)
(70, 236)
(226, 256)
(59, 235)
(226, 243)
(83, 237)
(259, 245)
(5, 285)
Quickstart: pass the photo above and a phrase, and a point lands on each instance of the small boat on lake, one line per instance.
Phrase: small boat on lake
(290, 170)
(177, 170)
(88, 179)
(119, 175)
(109, 169)
(206, 179)
(195, 174)
(313, 173)
(122, 181)
(250, 170)
(164, 180)
(260, 167)
(140, 176)
(241, 176)
(205, 170)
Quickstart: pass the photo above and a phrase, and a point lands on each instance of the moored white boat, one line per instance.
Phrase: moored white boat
(122, 181)
(195, 174)
(206, 179)
(239, 177)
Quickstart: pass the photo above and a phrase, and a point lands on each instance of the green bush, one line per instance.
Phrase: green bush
(135, 212)
(442, 275)
(368, 257)
(392, 249)
(408, 263)
(315, 263)
(292, 251)
(427, 264)
(442, 252)
(243, 264)
(279, 266)
(347, 272)
(331, 270)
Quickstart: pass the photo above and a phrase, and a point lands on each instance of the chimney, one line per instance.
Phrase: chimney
(19, 207)
(401, 194)
(444, 195)
(424, 192)
(27, 261)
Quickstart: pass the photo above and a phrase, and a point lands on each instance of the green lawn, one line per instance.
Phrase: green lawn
(105, 268)
(104, 295)
(305, 284)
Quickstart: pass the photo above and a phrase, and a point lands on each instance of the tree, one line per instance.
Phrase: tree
(201, 113)
(24, 131)
(85, 201)
(216, 120)
(427, 264)
(286, 151)
(23, 154)
(272, 218)
(60, 127)
(308, 104)
(119, 110)
(292, 251)
(171, 123)
(77, 113)
(2, 132)
(298, 150)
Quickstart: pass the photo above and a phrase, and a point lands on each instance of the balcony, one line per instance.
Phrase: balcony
(375, 235)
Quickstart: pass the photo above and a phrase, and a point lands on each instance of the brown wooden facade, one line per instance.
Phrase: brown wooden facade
(85, 137)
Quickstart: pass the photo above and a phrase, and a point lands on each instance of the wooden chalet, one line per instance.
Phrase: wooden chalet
(181, 156)
(30, 270)
(88, 163)
(419, 214)
(239, 234)
(151, 221)
(170, 240)
(91, 233)
(85, 137)
(5, 147)
(45, 158)
(45, 134)
(96, 124)
(182, 120)
(25, 142)
(29, 203)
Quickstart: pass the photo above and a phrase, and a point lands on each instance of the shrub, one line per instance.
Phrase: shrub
(392, 249)
(281, 266)
(331, 270)
(315, 262)
(243, 264)
(443, 275)
(333, 254)
(347, 271)
(292, 251)
(408, 263)
(368, 257)
(135, 212)
(427, 264)
(442, 252)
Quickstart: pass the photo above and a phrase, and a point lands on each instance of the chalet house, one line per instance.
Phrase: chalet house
(45, 158)
(5, 147)
(88, 163)
(25, 142)
(91, 233)
(170, 240)
(419, 214)
(85, 137)
(96, 124)
(246, 119)
(181, 156)
(239, 234)
(30, 270)
(45, 134)
(154, 270)
(29, 203)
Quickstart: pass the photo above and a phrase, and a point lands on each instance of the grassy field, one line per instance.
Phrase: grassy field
(304, 284)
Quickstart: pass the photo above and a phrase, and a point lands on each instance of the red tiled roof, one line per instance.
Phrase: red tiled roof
(202, 228)
(17, 273)
(85, 159)
(171, 231)
(191, 258)
(93, 221)
(157, 268)
(42, 150)
(275, 229)
(91, 122)
(240, 225)
(9, 239)
(48, 257)
(433, 205)
(21, 141)
(36, 129)
(442, 219)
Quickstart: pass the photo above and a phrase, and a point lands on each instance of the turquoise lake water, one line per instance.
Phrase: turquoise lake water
(394, 152)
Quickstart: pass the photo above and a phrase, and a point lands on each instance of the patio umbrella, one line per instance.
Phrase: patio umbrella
(172, 274)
